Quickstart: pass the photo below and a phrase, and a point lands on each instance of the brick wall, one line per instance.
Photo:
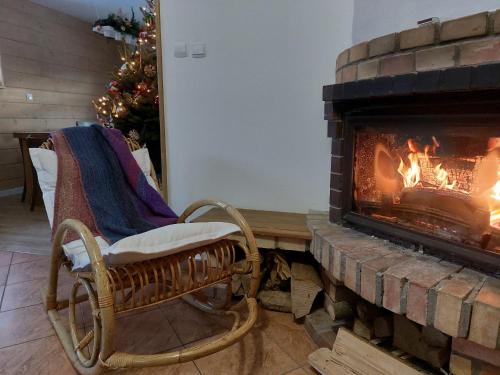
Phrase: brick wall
(464, 41)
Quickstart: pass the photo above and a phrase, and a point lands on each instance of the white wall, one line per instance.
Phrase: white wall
(245, 124)
(373, 18)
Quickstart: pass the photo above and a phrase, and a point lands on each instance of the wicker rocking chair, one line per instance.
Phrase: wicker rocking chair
(114, 290)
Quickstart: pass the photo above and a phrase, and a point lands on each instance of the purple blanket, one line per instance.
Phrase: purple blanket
(100, 183)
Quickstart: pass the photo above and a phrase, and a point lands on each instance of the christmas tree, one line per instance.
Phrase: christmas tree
(131, 102)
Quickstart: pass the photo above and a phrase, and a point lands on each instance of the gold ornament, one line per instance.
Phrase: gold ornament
(150, 71)
(128, 98)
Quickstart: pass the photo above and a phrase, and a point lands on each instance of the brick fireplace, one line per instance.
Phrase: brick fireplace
(414, 221)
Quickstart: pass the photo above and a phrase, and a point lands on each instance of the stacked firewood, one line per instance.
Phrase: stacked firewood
(417, 346)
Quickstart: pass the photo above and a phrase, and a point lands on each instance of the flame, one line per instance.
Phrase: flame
(495, 204)
(442, 177)
(412, 175)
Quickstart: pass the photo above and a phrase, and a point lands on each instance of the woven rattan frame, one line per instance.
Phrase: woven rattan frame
(112, 290)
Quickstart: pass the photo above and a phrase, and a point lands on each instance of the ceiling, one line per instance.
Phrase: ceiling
(91, 10)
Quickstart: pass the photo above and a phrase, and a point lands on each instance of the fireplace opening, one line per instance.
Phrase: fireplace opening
(442, 181)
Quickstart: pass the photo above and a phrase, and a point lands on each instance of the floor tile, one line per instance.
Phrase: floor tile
(182, 369)
(145, 333)
(291, 336)
(38, 270)
(21, 295)
(4, 271)
(28, 293)
(255, 354)
(42, 357)
(191, 324)
(5, 258)
(21, 325)
(307, 370)
(25, 257)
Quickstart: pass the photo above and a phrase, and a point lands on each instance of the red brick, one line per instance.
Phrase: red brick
(358, 52)
(460, 365)
(397, 64)
(338, 76)
(479, 52)
(382, 45)
(355, 259)
(337, 163)
(368, 69)
(342, 59)
(435, 58)
(496, 22)
(349, 73)
(418, 306)
(335, 215)
(485, 320)
(396, 279)
(464, 27)
(371, 275)
(417, 37)
(473, 350)
(454, 298)
(336, 197)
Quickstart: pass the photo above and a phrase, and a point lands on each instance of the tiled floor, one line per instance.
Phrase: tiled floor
(28, 345)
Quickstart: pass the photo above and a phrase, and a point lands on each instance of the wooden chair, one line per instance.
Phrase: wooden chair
(114, 290)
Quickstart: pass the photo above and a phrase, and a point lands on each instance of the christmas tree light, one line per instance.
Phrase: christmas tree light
(131, 102)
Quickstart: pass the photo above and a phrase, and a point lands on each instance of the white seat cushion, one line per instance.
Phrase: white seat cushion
(153, 244)
(148, 245)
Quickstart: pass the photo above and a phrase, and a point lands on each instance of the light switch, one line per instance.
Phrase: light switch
(198, 50)
(180, 49)
(29, 97)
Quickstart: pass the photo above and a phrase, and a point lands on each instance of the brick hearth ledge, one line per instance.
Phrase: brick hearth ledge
(458, 301)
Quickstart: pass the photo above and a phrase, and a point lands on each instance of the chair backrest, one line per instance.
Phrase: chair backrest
(45, 164)
(133, 145)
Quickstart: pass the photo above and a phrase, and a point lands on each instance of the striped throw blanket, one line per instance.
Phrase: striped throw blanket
(100, 183)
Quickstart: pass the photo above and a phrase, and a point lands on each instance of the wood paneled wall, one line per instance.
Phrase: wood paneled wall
(60, 61)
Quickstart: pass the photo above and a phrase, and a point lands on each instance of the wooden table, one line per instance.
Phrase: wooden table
(272, 230)
(29, 139)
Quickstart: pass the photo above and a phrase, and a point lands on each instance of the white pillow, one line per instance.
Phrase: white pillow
(155, 243)
(45, 163)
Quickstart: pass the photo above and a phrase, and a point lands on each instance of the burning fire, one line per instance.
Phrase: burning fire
(495, 204)
(442, 177)
(412, 175)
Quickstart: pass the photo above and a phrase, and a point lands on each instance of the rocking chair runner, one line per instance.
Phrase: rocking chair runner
(113, 290)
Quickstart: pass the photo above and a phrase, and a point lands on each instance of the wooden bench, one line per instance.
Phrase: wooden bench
(272, 230)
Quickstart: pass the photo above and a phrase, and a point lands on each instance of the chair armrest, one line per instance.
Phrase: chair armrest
(253, 253)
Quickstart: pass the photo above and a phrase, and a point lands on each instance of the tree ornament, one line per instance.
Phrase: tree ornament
(150, 71)
(128, 98)
(131, 100)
